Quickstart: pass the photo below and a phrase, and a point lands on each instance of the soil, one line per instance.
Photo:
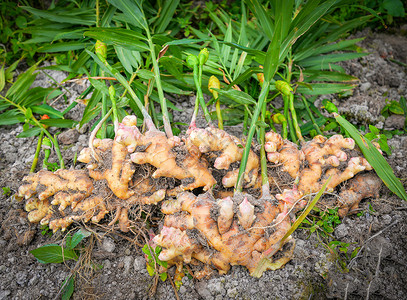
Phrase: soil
(378, 271)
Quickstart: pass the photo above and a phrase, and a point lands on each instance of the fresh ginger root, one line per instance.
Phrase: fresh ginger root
(156, 149)
(322, 157)
(362, 186)
(231, 148)
(63, 191)
(234, 238)
(238, 230)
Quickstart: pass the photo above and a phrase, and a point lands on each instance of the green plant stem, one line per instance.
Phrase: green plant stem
(245, 121)
(97, 13)
(288, 118)
(284, 130)
(115, 114)
(295, 121)
(115, 73)
(37, 153)
(68, 109)
(39, 125)
(104, 111)
(200, 97)
(311, 116)
(47, 153)
(163, 101)
(219, 114)
(56, 146)
(262, 98)
(95, 131)
(263, 160)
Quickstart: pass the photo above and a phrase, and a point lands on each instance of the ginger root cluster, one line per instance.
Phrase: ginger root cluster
(199, 225)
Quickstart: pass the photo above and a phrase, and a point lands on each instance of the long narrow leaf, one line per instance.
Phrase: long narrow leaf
(375, 159)
(83, 17)
(263, 16)
(125, 38)
(273, 53)
(167, 13)
(62, 47)
(325, 88)
(132, 10)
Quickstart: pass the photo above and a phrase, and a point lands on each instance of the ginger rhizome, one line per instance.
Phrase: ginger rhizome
(204, 222)
(208, 230)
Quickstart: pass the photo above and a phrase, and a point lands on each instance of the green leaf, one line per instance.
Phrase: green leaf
(185, 42)
(394, 8)
(100, 86)
(128, 39)
(60, 123)
(375, 159)
(133, 11)
(244, 76)
(45, 109)
(129, 59)
(322, 60)
(11, 117)
(34, 131)
(68, 288)
(145, 74)
(163, 276)
(312, 51)
(77, 238)
(2, 78)
(316, 75)
(53, 253)
(62, 47)
(324, 88)
(78, 16)
(150, 270)
(167, 13)
(237, 96)
(264, 17)
(22, 84)
(146, 250)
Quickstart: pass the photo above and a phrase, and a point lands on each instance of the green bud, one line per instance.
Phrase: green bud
(192, 60)
(283, 87)
(279, 118)
(101, 49)
(203, 56)
(330, 107)
(112, 92)
(46, 143)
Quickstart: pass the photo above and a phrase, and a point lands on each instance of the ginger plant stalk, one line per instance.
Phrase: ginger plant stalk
(37, 153)
(262, 98)
(295, 121)
(288, 118)
(163, 101)
(314, 123)
(214, 83)
(46, 145)
(115, 73)
(194, 62)
(263, 159)
(112, 95)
